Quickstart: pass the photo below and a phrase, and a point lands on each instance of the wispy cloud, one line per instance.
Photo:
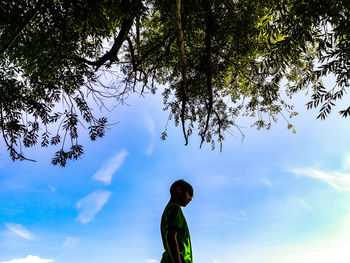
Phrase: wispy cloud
(19, 231)
(53, 189)
(70, 242)
(90, 205)
(212, 182)
(149, 124)
(346, 161)
(267, 182)
(242, 215)
(150, 128)
(150, 149)
(29, 259)
(151, 261)
(304, 204)
(106, 172)
(338, 180)
(332, 246)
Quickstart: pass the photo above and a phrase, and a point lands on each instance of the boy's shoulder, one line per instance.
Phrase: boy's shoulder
(172, 206)
(171, 210)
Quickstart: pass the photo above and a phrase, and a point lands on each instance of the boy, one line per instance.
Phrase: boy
(173, 227)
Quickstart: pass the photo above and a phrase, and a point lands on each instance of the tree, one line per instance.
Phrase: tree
(219, 59)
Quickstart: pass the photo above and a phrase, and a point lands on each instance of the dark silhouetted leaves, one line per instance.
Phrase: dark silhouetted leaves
(98, 130)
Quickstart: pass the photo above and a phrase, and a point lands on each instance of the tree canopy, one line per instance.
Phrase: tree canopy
(219, 60)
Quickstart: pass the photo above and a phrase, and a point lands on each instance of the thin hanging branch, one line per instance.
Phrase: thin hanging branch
(176, 17)
(208, 36)
(14, 154)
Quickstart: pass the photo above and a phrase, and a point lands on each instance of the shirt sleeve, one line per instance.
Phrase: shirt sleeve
(173, 218)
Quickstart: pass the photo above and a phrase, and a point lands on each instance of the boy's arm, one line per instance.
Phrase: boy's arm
(173, 246)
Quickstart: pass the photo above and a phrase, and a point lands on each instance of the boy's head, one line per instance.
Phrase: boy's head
(181, 192)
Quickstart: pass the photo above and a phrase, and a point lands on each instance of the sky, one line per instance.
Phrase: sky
(273, 197)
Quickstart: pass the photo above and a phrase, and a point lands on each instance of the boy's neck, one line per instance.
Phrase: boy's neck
(174, 200)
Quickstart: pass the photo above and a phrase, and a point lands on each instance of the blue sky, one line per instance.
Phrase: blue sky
(275, 197)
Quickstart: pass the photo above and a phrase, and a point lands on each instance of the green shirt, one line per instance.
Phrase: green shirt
(173, 218)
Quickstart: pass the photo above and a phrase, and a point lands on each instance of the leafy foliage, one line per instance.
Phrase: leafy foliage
(220, 60)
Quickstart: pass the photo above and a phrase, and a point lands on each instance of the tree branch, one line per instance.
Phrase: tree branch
(112, 54)
(176, 17)
(208, 36)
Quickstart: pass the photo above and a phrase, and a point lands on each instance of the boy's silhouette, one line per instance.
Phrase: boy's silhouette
(173, 227)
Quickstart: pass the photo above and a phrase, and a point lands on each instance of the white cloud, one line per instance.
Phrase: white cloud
(304, 204)
(105, 174)
(338, 180)
(331, 246)
(242, 215)
(151, 261)
(267, 182)
(150, 149)
(19, 231)
(70, 242)
(327, 246)
(212, 182)
(91, 204)
(149, 124)
(150, 127)
(53, 189)
(29, 259)
(346, 161)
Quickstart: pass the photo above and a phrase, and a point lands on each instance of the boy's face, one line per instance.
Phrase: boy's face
(184, 198)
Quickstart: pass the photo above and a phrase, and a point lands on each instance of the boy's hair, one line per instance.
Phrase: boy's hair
(183, 184)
